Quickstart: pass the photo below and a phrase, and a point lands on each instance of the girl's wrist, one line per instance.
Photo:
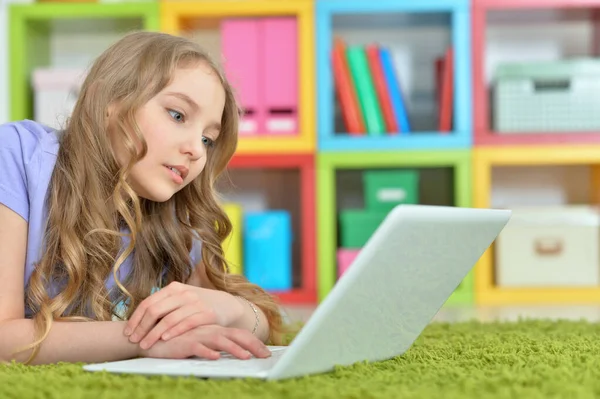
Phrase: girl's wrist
(251, 313)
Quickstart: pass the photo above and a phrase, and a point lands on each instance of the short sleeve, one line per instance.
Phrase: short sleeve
(196, 252)
(17, 148)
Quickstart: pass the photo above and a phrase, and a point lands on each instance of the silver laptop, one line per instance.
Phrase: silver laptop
(403, 275)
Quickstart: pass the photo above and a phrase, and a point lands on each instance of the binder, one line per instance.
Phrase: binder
(279, 37)
(268, 249)
(240, 42)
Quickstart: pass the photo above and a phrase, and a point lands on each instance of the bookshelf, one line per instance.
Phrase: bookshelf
(323, 152)
(329, 164)
(450, 17)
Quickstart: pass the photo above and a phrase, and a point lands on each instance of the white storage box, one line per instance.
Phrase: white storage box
(549, 247)
(55, 94)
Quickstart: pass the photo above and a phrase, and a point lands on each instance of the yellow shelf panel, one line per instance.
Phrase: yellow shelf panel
(173, 20)
(484, 159)
(533, 155)
(535, 296)
(220, 8)
(260, 145)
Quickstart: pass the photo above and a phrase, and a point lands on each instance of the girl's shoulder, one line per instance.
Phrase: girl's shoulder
(28, 152)
(27, 137)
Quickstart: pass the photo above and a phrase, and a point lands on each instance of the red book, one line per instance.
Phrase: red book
(381, 88)
(447, 92)
(345, 90)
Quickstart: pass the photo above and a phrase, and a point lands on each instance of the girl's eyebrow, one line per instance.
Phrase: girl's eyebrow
(215, 125)
(185, 98)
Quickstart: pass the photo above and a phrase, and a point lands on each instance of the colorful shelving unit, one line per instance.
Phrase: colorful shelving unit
(264, 150)
(523, 149)
(320, 151)
(339, 151)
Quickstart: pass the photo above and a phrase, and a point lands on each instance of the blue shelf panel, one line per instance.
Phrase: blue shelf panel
(368, 6)
(461, 41)
(422, 140)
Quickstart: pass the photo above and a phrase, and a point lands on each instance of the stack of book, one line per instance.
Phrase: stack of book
(369, 92)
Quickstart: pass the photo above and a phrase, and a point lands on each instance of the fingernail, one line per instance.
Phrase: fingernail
(127, 331)
(144, 345)
(134, 337)
(166, 336)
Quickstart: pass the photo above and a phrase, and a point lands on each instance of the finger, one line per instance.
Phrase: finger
(139, 312)
(204, 351)
(191, 321)
(184, 319)
(223, 343)
(248, 341)
(153, 314)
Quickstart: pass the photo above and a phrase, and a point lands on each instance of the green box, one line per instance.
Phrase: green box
(357, 226)
(384, 189)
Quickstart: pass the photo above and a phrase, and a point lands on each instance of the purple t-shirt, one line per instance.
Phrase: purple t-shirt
(28, 153)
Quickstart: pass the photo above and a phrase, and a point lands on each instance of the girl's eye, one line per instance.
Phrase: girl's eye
(178, 116)
(207, 142)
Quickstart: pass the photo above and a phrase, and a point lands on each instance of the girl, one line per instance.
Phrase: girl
(114, 221)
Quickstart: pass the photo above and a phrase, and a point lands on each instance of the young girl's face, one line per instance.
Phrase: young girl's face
(179, 125)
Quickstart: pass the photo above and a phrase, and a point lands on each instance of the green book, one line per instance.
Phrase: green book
(365, 88)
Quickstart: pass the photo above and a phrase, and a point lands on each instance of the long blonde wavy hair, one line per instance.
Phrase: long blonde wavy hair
(90, 200)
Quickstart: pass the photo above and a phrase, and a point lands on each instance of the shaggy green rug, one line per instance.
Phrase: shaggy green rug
(528, 359)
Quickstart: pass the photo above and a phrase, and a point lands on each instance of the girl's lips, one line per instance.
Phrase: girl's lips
(176, 178)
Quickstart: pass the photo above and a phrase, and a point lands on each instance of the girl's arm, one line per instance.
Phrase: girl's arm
(89, 342)
(67, 341)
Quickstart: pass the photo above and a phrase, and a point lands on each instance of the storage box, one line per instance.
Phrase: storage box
(268, 249)
(546, 97)
(55, 94)
(549, 247)
(345, 257)
(357, 226)
(233, 243)
(386, 189)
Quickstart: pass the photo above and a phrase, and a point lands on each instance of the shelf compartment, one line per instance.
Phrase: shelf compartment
(332, 166)
(556, 29)
(200, 20)
(360, 23)
(297, 170)
(489, 158)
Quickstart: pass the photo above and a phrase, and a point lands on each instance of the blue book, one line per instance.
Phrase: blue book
(393, 84)
(268, 249)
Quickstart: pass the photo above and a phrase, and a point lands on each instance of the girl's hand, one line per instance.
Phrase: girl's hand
(178, 308)
(207, 342)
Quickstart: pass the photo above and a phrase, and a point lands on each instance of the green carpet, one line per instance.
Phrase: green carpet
(528, 359)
